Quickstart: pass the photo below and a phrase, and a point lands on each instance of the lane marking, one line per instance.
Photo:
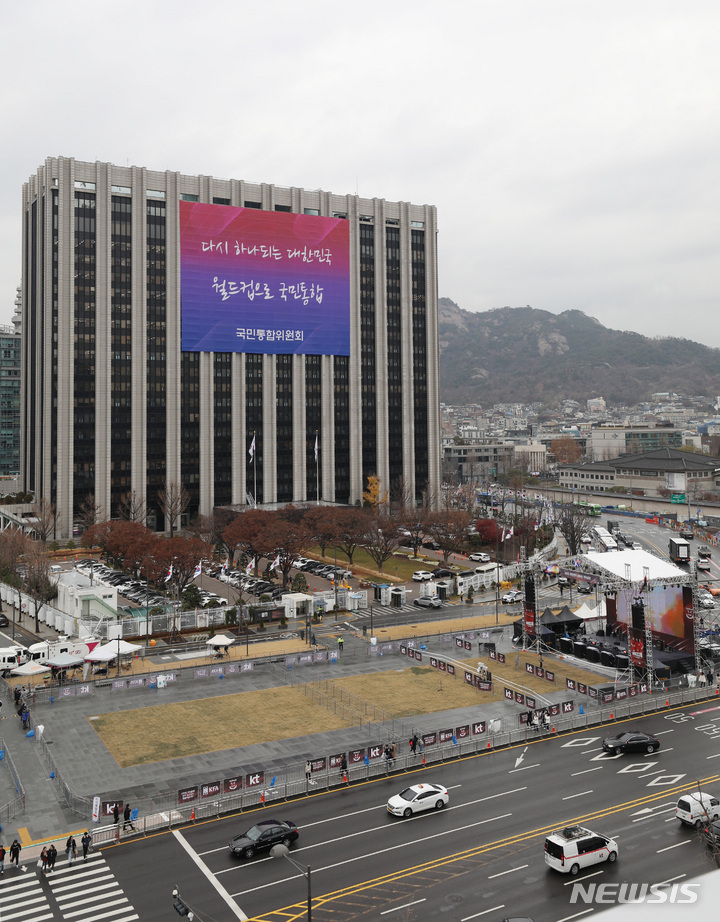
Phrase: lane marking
(581, 794)
(404, 906)
(584, 877)
(234, 908)
(502, 873)
(483, 913)
(585, 771)
(668, 847)
(523, 768)
(576, 916)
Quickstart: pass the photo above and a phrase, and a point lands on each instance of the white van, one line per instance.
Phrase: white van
(575, 847)
(697, 808)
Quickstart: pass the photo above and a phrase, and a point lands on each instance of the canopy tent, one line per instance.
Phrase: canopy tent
(28, 669)
(116, 648)
(220, 640)
(548, 617)
(101, 655)
(567, 617)
(545, 632)
(65, 661)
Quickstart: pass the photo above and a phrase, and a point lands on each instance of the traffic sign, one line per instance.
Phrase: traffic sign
(678, 498)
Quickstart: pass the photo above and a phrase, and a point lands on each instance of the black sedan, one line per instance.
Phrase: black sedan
(631, 742)
(263, 836)
(586, 588)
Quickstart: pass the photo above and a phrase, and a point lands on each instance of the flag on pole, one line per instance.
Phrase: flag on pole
(225, 566)
(275, 563)
(252, 448)
(316, 448)
(251, 566)
(169, 575)
(198, 570)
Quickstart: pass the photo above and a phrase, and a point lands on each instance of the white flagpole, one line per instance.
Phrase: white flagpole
(317, 471)
(254, 474)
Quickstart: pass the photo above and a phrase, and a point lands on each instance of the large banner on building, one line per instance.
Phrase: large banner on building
(263, 281)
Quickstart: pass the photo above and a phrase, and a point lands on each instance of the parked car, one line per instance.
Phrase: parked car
(417, 798)
(631, 742)
(4, 621)
(263, 836)
(442, 573)
(419, 576)
(428, 601)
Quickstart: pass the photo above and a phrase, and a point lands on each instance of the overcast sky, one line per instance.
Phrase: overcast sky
(571, 146)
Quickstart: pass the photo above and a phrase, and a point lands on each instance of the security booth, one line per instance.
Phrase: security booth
(397, 596)
(443, 589)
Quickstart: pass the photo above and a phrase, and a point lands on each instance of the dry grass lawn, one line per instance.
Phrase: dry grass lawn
(169, 731)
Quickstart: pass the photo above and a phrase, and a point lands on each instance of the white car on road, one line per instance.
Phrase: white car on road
(480, 558)
(514, 595)
(417, 798)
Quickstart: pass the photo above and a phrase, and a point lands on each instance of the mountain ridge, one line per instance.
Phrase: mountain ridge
(523, 355)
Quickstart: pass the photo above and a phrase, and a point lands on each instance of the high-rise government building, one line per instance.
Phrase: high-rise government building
(253, 343)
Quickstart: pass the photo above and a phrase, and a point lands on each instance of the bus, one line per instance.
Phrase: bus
(590, 508)
(604, 541)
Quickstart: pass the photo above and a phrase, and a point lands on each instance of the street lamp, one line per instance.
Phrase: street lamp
(281, 851)
(180, 907)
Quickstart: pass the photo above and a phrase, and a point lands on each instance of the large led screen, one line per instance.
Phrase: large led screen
(663, 608)
(263, 281)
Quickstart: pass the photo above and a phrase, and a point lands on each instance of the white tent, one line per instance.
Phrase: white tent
(65, 661)
(117, 648)
(28, 669)
(220, 640)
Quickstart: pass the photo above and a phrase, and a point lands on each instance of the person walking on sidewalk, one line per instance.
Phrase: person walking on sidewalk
(15, 853)
(126, 817)
(51, 858)
(2, 859)
(43, 860)
(71, 848)
(86, 841)
(116, 815)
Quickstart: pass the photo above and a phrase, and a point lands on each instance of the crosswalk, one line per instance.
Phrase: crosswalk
(81, 892)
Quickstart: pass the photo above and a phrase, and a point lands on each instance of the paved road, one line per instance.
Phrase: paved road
(481, 857)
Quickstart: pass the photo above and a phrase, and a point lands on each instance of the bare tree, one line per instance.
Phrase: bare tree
(133, 508)
(46, 519)
(573, 525)
(382, 539)
(37, 583)
(174, 500)
(89, 512)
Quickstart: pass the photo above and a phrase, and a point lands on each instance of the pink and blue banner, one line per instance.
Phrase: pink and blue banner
(263, 281)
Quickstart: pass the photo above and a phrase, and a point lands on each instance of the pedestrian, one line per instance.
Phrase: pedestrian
(393, 752)
(70, 849)
(116, 814)
(43, 860)
(25, 716)
(15, 853)
(546, 720)
(341, 643)
(413, 743)
(127, 813)
(51, 858)
(17, 694)
(2, 859)
(314, 642)
(343, 763)
(86, 840)
(308, 770)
